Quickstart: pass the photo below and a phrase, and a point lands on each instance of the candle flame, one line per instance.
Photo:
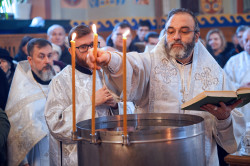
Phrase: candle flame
(73, 36)
(126, 33)
(94, 28)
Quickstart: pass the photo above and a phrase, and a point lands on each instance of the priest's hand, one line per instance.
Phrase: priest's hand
(102, 96)
(112, 103)
(222, 112)
(102, 59)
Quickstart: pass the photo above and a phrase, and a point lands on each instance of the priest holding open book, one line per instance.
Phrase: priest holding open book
(175, 71)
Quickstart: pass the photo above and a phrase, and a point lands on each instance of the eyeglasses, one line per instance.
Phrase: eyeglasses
(85, 47)
(183, 31)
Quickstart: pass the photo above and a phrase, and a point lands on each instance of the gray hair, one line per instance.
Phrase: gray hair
(183, 10)
(241, 28)
(51, 28)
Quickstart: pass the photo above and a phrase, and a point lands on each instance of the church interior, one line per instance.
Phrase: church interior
(119, 135)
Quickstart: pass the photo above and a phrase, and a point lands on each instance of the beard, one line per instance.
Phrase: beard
(46, 75)
(179, 52)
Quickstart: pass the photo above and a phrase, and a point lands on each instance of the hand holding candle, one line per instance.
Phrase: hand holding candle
(73, 48)
(94, 80)
(125, 83)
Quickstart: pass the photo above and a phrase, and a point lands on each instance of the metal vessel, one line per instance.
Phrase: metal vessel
(153, 139)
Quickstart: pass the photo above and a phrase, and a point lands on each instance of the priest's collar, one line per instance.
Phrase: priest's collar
(83, 69)
(39, 80)
(184, 63)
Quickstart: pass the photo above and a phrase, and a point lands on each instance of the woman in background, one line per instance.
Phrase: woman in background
(22, 50)
(218, 46)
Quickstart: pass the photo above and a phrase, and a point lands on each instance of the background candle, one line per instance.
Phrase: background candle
(94, 80)
(124, 83)
(73, 48)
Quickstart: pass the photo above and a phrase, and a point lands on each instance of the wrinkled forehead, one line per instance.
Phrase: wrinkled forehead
(58, 30)
(42, 49)
(180, 20)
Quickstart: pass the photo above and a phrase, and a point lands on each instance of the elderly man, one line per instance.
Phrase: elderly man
(56, 34)
(58, 111)
(239, 33)
(28, 141)
(176, 70)
(238, 69)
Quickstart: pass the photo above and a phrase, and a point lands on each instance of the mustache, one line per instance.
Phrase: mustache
(176, 42)
(47, 67)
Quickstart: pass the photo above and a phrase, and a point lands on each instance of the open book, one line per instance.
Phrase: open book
(214, 97)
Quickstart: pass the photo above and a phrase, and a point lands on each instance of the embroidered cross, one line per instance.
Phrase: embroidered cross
(165, 71)
(206, 78)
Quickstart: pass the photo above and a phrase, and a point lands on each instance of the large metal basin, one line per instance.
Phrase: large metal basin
(155, 139)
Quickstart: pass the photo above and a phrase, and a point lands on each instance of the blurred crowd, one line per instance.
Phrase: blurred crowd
(23, 75)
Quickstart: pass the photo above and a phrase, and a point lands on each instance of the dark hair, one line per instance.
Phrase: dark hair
(183, 10)
(122, 25)
(39, 42)
(151, 35)
(144, 23)
(80, 30)
(24, 41)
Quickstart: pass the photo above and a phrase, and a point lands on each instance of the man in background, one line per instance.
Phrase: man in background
(240, 46)
(56, 34)
(238, 69)
(28, 141)
(151, 40)
(143, 28)
(116, 37)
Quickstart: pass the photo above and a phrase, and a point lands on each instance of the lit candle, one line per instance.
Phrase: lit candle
(94, 80)
(124, 83)
(73, 54)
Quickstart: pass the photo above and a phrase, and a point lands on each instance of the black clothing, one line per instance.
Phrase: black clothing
(39, 80)
(4, 131)
(139, 45)
(136, 39)
(20, 56)
(60, 64)
(4, 54)
(236, 50)
(4, 89)
(10, 76)
(83, 69)
(224, 56)
(66, 56)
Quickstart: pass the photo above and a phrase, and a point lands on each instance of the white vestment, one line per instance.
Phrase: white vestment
(25, 109)
(238, 70)
(157, 84)
(58, 112)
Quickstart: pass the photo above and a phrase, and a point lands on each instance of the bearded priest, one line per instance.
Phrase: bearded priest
(28, 141)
